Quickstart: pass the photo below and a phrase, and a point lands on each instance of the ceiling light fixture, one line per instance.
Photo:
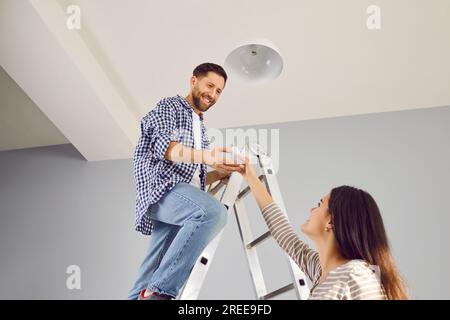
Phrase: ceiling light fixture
(255, 62)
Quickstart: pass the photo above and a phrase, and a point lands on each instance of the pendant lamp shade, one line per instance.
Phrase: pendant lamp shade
(254, 62)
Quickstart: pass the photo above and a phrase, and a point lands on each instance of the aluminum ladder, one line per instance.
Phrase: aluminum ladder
(231, 195)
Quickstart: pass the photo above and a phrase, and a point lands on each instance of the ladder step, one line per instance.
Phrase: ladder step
(216, 188)
(245, 191)
(277, 292)
(258, 240)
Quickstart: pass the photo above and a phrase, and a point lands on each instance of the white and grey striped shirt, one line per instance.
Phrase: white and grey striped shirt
(353, 280)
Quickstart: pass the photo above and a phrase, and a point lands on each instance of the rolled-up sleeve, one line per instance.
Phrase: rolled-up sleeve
(159, 125)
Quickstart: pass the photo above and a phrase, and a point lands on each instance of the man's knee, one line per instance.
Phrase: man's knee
(217, 213)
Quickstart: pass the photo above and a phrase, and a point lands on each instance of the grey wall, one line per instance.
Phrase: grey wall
(56, 209)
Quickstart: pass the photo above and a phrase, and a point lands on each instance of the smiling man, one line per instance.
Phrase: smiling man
(170, 173)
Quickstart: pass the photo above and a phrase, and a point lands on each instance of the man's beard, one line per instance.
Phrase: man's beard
(198, 104)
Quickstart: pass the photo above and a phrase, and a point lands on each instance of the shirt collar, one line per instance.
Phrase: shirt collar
(188, 106)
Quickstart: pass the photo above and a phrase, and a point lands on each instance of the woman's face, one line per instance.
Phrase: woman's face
(319, 219)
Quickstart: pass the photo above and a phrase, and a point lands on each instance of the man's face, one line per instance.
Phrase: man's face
(206, 90)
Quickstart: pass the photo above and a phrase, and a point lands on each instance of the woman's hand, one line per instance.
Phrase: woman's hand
(262, 197)
(248, 171)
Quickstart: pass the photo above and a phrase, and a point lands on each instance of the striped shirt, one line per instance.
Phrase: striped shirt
(354, 280)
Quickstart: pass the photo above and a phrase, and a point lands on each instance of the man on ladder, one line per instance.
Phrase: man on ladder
(170, 174)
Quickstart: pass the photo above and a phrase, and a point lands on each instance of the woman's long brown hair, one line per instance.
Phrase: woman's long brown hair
(360, 234)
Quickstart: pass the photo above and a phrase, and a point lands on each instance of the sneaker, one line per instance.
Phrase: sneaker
(153, 296)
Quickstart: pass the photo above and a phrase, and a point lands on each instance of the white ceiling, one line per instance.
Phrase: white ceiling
(140, 51)
(22, 123)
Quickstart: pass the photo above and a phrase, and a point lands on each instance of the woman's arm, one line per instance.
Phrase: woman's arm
(280, 227)
(263, 198)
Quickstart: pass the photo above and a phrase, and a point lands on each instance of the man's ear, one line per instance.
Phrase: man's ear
(193, 80)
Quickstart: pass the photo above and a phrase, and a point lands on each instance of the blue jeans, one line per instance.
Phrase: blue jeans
(185, 220)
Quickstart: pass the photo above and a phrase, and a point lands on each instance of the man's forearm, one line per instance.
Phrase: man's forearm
(216, 158)
(176, 152)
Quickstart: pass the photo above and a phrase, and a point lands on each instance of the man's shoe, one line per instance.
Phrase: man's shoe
(153, 296)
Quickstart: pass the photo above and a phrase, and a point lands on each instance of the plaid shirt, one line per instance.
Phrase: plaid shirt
(170, 120)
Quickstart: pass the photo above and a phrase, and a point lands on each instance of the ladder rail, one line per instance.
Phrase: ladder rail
(191, 288)
(228, 197)
(298, 276)
(245, 232)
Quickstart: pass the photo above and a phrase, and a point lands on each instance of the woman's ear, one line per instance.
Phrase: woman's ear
(328, 226)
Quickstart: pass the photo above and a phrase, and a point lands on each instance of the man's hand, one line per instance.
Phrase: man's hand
(225, 170)
(215, 175)
(222, 174)
(220, 159)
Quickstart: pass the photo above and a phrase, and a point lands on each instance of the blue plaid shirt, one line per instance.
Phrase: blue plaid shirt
(170, 120)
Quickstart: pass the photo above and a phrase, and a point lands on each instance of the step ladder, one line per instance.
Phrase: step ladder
(232, 196)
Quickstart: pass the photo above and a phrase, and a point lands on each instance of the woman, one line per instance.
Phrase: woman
(353, 260)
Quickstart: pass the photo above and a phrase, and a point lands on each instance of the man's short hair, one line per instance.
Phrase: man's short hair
(203, 69)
